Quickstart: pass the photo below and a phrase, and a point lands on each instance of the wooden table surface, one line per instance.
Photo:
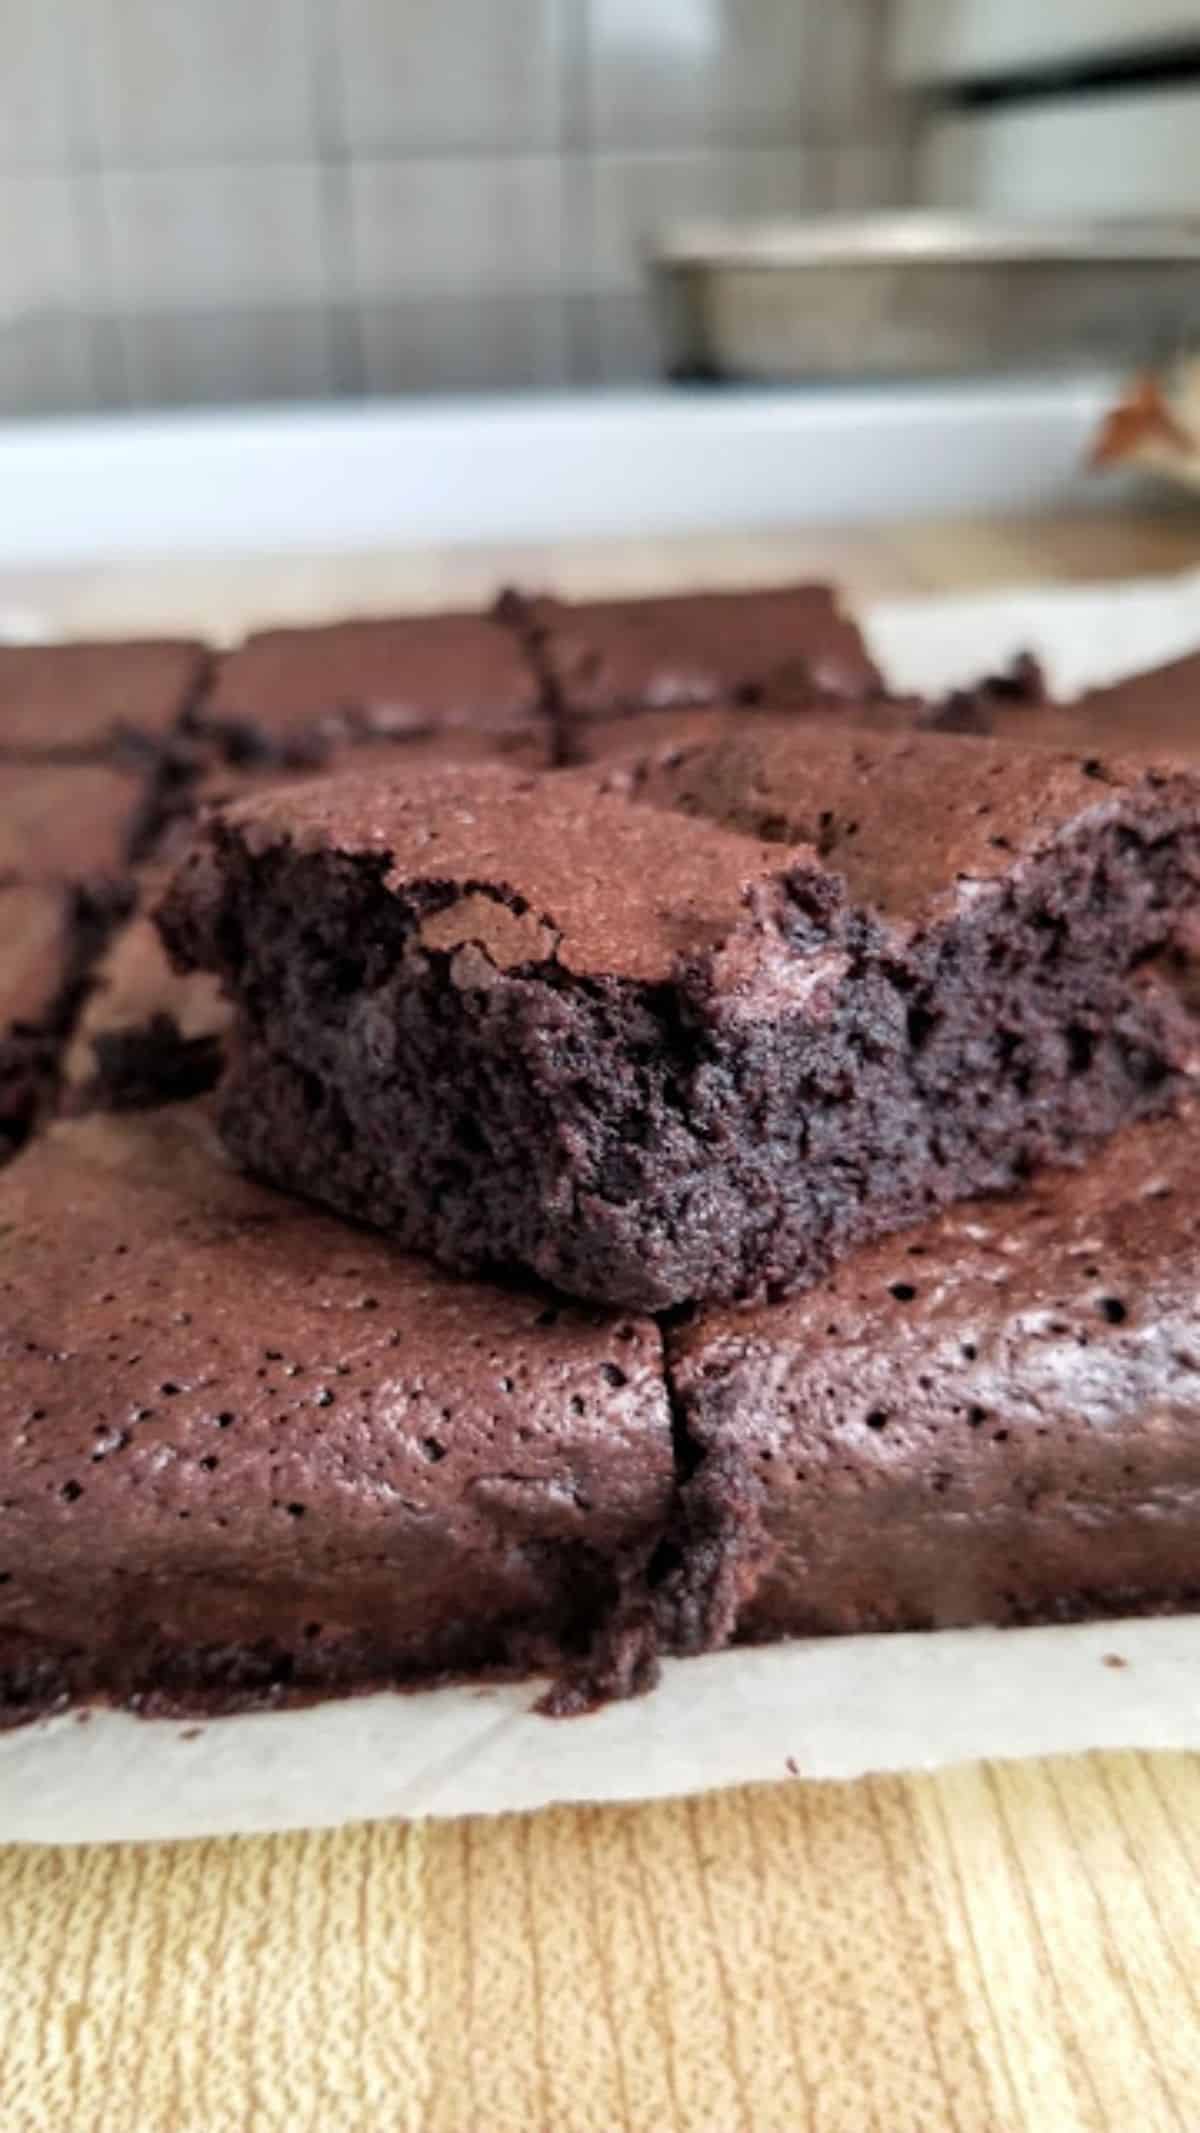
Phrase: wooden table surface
(1003, 1947)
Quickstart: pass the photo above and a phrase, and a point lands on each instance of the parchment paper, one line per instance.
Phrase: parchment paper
(832, 1708)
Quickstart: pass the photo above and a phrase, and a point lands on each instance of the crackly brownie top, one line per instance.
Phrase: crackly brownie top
(1074, 1306)
(409, 674)
(200, 1363)
(532, 870)
(908, 818)
(75, 698)
(629, 751)
(787, 642)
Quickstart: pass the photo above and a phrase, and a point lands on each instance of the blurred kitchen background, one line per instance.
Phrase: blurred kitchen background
(207, 201)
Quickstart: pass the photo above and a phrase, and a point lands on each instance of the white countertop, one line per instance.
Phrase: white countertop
(575, 466)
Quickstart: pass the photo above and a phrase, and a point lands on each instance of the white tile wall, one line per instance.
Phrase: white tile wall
(189, 358)
(34, 124)
(683, 72)
(470, 77)
(210, 199)
(868, 174)
(455, 225)
(169, 81)
(41, 262)
(464, 343)
(226, 233)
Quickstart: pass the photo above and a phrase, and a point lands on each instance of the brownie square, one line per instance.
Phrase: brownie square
(788, 644)
(993, 1420)
(71, 821)
(294, 694)
(247, 1453)
(37, 951)
(652, 1057)
(93, 698)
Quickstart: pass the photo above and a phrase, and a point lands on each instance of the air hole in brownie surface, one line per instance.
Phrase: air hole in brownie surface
(903, 1291)
(225, 1419)
(976, 1416)
(613, 1374)
(970, 1351)
(1081, 1048)
(295, 1510)
(71, 1491)
(878, 1418)
(1113, 1310)
(432, 1450)
(211, 1463)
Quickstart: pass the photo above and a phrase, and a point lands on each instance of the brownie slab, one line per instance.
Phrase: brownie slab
(653, 1058)
(92, 698)
(993, 1420)
(630, 752)
(247, 1452)
(787, 643)
(37, 955)
(1156, 714)
(70, 821)
(294, 694)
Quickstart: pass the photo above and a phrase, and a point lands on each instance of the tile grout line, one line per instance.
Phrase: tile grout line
(342, 295)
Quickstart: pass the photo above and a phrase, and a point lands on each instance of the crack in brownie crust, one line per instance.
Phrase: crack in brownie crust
(993, 1420)
(249, 1453)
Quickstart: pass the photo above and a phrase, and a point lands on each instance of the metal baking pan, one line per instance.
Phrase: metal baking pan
(923, 295)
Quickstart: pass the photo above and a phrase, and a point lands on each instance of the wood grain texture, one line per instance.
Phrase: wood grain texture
(1009, 1947)
(1000, 1949)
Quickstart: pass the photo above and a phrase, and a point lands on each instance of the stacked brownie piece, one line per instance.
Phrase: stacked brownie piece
(575, 1133)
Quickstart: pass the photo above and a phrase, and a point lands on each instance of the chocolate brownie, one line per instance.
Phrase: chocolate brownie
(972, 709)
(146, 1034)
(36, 959)
(651, 1058)
(93, 698)
(247, 1452)
(787, 644)
(293, 694)
(629, 752)
(1154, 714)
(995, 1419)
(71, 821)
